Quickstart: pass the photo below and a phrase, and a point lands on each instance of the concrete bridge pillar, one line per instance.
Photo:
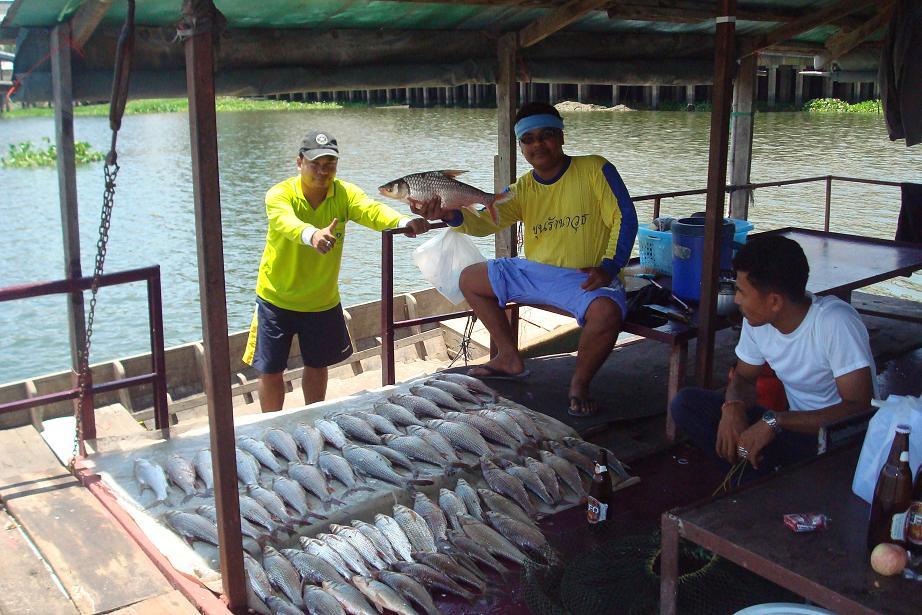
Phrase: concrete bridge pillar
(582, 92)
(772, 85)
(615, 95)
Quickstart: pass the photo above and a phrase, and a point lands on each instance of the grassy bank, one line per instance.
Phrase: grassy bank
(177, 105)
(817, 105)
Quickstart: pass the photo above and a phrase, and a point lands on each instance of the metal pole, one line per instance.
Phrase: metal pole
(828, 202)
(387, 309)
(158, 356)
(724, 62)
(200, 85)
(62, 91)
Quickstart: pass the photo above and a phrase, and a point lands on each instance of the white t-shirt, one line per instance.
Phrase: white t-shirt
(830, 342)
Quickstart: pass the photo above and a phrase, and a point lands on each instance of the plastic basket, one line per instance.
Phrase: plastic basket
(656, 246)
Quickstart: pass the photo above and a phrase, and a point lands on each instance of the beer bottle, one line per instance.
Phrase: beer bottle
(892, 495)
(914, 516)
(600, 492)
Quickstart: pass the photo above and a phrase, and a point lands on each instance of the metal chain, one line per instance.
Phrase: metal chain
(110, 171)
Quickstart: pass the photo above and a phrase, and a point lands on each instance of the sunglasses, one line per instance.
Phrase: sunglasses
(545, 135)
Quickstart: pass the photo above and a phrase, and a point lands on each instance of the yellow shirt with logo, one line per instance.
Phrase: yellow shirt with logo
(294, 276)
(583, 218)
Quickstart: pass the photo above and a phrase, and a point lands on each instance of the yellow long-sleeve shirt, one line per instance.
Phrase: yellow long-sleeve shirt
(583, 218)
(294, 276)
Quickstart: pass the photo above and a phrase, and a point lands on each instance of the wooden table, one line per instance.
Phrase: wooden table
(830, 568)
(839, 264)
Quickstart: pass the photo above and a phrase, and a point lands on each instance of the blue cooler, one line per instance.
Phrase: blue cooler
(688, 255)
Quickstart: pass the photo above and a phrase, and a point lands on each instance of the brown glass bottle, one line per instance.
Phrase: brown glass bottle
(914, 516)
(597, 505)
(892, 495)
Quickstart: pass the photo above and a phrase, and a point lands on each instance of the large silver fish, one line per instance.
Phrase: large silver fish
(314, 481)
(293, 494)
(271, 501)
(526, 422)
(547, 475)
(476, 551)
(592, 451)
(181, 473)
(381, 424)
(246, 528)
(418, 405)
(506, 421)
(469, 496)
(312, 568)
(352, 600)
(261, 452)
(415, 528)
(327, 554)
(488, 428)
(583, 463)
(374, 464)
(280, 606)
(432, 578)
(394, 456)
(409, 588)
(452, 505)
(436, 440)
(433, 515)
(520, 534)
(565, 470)
(319, 601)
(356, 428)
(491, 540)
(378, 539)
(282, 443)
(192, 526)
(529, 478)
(395, 535)
(257, 578)
(247, 467)
(442, 185)
(448, 565)
(472, 384)
(151, 476)
(202, 463)
(455, 390)
(382, 596)
(462, 436)
(437, 396)
(501, 503)
(252, 510)
(415, 447)
(310, 440)
(283, 575)
(340, 469)
(396, 413)
(332, 432)
(346, 551)
(361, 543)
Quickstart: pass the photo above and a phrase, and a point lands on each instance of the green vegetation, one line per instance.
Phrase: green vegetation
(25, 155)
(834, 105)
(176, 105)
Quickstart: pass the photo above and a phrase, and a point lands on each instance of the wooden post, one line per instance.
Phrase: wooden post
(62, 91)
(200, 85)
(724, 63)
(504, 165)
(772, 85)
(742, 122)
(798, 87)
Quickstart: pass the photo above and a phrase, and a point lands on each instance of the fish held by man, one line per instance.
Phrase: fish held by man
(442, 184)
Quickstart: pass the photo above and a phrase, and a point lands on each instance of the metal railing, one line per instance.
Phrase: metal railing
(157, 375)
(389, 326)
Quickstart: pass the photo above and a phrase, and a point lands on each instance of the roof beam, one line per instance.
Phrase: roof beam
(686, 11)
(556, 20)
(86, 19)
(842, 42)
(803, 24)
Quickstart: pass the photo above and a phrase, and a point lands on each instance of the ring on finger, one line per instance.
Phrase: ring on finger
(742, 451)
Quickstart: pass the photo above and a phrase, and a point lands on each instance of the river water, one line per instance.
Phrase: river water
(153, 221)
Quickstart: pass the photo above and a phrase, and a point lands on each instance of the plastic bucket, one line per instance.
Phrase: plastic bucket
(688, 254)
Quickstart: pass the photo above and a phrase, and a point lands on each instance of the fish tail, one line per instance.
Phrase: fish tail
(419, 481)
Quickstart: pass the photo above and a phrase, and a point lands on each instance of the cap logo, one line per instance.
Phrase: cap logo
(322, 139)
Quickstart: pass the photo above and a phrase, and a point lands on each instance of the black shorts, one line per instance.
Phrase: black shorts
(322, 336)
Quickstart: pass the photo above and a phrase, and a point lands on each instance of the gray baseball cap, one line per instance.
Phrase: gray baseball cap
(318, 143)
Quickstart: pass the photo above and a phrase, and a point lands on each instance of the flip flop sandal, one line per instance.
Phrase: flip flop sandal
(496, 374)
(582, 402)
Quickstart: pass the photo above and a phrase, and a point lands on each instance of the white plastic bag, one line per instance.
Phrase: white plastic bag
(896, 410)
(442, 259)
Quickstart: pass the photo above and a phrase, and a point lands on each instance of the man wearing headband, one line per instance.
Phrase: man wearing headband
(297, 291)
(580, 226)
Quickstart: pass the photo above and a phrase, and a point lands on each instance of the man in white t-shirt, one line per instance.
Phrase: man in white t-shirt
(817, 346)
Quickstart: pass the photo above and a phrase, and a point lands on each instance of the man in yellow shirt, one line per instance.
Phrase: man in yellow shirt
(580, 225)
(297, 291)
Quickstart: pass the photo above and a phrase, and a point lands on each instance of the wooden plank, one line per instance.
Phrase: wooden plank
(86, 19)
(98, 564)
(172, 602)
(558, 19)
(26, 585)
(842, 42)
(23, 450)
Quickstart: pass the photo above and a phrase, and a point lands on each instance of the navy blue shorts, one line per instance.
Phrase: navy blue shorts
(322, 337)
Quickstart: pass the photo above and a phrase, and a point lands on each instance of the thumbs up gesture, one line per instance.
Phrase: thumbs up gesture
(324, 239)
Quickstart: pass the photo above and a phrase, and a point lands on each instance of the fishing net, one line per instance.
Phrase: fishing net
(613, 571)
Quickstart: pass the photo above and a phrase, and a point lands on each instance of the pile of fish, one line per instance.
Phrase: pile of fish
(450, 430)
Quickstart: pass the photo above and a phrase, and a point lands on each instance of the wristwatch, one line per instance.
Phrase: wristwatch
(772, 420)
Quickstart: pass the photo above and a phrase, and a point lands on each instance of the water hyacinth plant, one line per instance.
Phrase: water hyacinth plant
(26, 155)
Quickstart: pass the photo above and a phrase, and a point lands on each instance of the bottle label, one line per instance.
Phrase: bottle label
(898, 526)
(599, 469)
(596, 511)
(904, 456)
(914, 523)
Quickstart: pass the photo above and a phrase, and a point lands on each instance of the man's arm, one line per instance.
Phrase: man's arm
(740, 396)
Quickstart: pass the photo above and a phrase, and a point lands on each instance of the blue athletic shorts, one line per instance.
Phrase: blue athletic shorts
(525, 281)
(322, 337)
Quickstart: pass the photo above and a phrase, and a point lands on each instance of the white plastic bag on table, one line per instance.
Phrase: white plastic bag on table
(896, 410)
(442, 259)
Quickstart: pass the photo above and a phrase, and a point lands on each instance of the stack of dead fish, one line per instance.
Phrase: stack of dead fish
(449, 424)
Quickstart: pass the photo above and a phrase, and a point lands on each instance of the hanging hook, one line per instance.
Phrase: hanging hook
(119, 96)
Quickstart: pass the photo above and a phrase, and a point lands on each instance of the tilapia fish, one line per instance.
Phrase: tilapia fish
(382, 596)
(151, 476)
(442, 184)
(469, 382)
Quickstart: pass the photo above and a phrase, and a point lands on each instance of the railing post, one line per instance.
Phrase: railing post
(828, 202)
(656, 206)
(387, 308)
(158, 358)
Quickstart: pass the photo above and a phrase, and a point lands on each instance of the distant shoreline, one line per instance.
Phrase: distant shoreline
(230, 104)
